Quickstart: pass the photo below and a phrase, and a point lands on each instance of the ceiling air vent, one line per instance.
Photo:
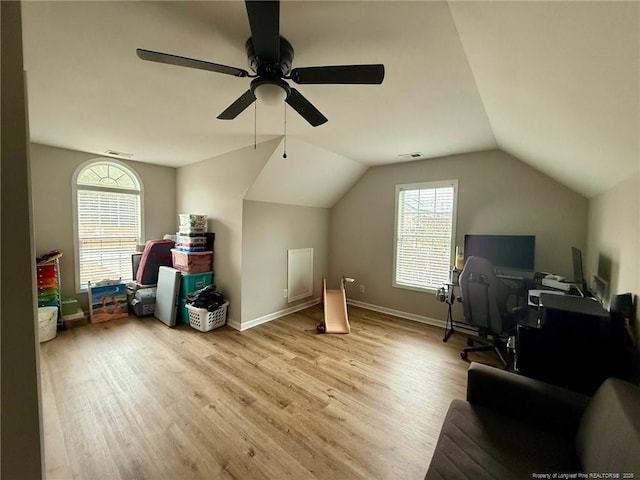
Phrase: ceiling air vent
(411, 156)
(113, 153)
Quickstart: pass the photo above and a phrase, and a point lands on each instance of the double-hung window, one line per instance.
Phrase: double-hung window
(424, 234)
(108, 221)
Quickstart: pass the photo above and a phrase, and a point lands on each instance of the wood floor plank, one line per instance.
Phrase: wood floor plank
(134, 399)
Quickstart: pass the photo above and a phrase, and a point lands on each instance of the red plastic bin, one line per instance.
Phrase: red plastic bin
(46, 271)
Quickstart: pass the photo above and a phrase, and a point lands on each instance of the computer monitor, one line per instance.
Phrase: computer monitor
(578, 273)
(507, 251)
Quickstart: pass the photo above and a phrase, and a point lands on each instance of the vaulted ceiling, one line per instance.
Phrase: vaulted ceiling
(556, 84)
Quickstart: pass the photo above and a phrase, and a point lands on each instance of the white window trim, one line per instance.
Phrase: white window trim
(74, 201)
(416, 186)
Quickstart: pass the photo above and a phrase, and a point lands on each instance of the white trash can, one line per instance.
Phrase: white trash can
(47, 323)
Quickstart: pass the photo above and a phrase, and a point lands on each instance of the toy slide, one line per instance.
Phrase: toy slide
(336, 318)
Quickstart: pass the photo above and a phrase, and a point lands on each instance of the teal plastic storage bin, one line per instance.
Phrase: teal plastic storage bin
(194, 281)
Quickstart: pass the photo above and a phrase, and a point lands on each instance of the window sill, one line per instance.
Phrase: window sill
(430, 290)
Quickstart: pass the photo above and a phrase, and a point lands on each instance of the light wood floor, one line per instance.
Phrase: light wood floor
(134, 399)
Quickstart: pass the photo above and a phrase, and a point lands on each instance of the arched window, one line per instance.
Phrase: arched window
(108, 221)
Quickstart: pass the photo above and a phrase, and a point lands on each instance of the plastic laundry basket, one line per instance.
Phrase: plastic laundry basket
(204, 320)
(47, 323)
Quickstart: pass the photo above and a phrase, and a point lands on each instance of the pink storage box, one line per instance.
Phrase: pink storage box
(192, 262)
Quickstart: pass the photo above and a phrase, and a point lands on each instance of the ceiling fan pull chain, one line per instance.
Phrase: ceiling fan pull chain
(284, 154)
(255, 125)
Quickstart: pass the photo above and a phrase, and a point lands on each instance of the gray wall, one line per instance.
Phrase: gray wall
(614, 239)
(268, 231)
(215, 187)
(52, 171)
(497, 194)
(21, 423)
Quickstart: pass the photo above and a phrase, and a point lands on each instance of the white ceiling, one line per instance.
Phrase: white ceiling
(554, 83)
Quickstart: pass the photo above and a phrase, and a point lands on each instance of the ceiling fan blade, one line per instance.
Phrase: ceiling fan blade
(237, 107)
(360, 74)
(189, 62)
(301, 105)
(264, 20)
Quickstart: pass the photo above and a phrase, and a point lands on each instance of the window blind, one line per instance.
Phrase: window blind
(108, 233)
(424, 236)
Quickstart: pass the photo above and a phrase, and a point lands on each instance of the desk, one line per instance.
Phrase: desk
(581, 323)
(567, 349)
(572, 304)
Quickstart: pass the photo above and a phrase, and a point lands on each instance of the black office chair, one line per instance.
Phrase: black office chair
(484, 303)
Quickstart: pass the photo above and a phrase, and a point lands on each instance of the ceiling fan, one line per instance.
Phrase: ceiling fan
(270, 57)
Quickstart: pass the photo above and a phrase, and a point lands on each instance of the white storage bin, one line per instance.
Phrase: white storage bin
(204, 320)
(193, 221)
(47, 323)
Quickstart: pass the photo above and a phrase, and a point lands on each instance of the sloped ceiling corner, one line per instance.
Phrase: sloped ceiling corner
(310, 176)
(560, 82)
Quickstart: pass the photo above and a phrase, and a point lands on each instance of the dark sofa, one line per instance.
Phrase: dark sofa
(514, 427)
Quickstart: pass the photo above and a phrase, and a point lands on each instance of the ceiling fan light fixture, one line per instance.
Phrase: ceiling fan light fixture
(270, 56)
(270, 94)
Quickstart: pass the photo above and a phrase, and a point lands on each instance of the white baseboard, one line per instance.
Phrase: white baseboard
(368, 306)
(397, 313)
(233, 324)
(272, 316)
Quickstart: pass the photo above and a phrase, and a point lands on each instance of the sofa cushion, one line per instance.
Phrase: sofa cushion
(526, 399)
(608, 438)
(477, 443)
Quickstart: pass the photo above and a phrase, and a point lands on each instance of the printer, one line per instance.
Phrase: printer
(534, 296)
(557, 282)
(555, 285)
